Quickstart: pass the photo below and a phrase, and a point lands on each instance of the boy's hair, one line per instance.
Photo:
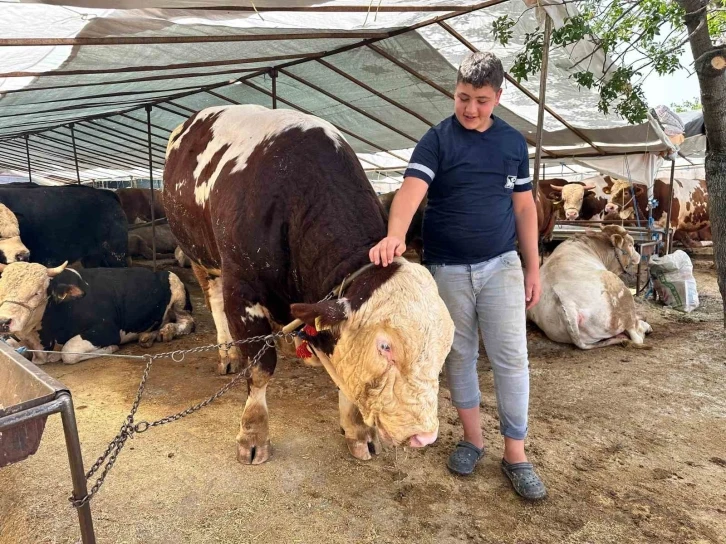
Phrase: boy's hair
(480, 69)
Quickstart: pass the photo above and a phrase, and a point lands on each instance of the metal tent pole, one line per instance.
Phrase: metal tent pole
(75, 153)
(670, 206)
(27, 152)
(273, 75)
(151, 184)
(542, 94)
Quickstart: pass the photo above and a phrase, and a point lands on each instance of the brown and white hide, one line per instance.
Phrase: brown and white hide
(274, 210)
(584, 302)
(689, 210)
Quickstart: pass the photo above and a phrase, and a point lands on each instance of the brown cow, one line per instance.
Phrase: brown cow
(136, 204)
(689, 212)
(274, 210)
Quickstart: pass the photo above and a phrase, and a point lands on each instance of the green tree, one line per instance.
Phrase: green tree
(642, 38)
(686, 105)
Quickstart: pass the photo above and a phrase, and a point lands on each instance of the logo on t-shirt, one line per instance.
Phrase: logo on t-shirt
(510, 182)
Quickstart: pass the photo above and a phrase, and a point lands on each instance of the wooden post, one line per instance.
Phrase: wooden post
(151, 184)
(542, 95)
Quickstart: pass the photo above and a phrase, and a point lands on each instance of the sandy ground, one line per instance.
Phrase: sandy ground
(631, 443)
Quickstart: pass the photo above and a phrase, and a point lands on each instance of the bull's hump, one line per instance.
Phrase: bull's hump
(231, 134)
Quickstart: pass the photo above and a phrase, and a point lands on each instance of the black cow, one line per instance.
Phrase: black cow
(91, 311)
(60, 224)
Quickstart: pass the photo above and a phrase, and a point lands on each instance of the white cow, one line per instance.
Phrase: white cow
(584, 301)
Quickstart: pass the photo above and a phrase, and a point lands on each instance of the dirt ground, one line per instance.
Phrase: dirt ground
(631, 443)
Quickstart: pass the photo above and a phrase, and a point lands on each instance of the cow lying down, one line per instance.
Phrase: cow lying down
(90, 312)
(584, 301)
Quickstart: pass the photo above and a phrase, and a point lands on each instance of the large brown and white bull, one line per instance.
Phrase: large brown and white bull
(689, 212)
(584, 301)
(274, 210)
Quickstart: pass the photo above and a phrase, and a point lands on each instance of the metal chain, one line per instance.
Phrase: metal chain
(129, 427)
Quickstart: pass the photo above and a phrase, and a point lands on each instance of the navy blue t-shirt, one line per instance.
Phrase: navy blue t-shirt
(471, 175)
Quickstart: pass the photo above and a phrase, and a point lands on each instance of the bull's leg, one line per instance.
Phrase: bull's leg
(247, 320)
(637, 333)
(178, 321)
(683, 237)
(362, 440)
(213, 296)
(79, 349)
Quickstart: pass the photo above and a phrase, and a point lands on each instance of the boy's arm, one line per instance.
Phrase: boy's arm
(404, 206)
(525, 217)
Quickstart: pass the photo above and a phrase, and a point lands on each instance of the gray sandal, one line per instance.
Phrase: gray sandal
(464, 458)
(525, 480)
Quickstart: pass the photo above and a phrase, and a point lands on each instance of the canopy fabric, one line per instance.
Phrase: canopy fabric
(382, 72)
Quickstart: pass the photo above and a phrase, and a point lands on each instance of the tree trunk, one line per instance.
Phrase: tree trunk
(710, 68)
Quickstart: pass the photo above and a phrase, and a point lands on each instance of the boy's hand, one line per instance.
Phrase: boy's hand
(385, 250)
(532, 287)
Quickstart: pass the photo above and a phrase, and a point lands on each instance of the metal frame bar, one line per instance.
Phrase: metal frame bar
(158, 67)
(670, 208)
(338, 9)
(348, 105)
(154, 40)
(94, 126)
(15, 164)
(27, 151)
(273, 76)
(151, 185)
(75, 153)
(541, 103)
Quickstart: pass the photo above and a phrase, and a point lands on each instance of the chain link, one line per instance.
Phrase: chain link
(129, 427)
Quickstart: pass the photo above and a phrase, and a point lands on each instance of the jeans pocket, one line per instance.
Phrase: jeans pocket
(511, 260)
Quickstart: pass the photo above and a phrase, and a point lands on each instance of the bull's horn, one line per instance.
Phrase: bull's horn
(589, 187)
(556, 188)
(2, 267)
(57, 270)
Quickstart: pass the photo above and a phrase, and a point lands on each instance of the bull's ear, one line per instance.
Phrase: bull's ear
(639, 190)
(322, 315)
(607, 189)
(64, 292)
(616, 240)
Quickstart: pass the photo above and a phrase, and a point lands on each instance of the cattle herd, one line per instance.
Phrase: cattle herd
(273, 211)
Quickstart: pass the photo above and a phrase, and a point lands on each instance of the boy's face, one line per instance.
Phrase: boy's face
(473, 107)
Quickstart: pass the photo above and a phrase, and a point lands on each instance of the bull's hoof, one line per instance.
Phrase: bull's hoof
(362, 449)
(166, 333)
(251, 454)
(227, 365)
(146, 339)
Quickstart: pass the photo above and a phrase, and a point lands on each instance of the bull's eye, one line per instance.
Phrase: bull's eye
(383, 346)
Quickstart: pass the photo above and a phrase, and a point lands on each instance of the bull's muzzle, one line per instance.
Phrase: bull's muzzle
(5, 323)
(422, 439)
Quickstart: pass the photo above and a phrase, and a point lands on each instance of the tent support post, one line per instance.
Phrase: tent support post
(273, 75)
(27, 153)
(670, 206)
(75, 154)
(151, 185)
(542, 94)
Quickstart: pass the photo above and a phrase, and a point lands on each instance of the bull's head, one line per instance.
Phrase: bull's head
(24, 292)
(625, 254)
(623, 198)
(572, 196)
(389, 351)
(12, 248)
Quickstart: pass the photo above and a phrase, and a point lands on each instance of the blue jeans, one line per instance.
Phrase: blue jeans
(488, 296)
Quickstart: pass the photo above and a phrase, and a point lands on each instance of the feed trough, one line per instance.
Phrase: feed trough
(27, 397)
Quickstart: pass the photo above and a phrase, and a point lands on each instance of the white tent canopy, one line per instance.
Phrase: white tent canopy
(383, 72)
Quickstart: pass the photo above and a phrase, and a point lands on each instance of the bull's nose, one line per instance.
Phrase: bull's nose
(23, 256)
(5, 324)
(423, 439)
(571, 215)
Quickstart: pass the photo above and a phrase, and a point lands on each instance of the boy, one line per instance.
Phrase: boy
(475, 169)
